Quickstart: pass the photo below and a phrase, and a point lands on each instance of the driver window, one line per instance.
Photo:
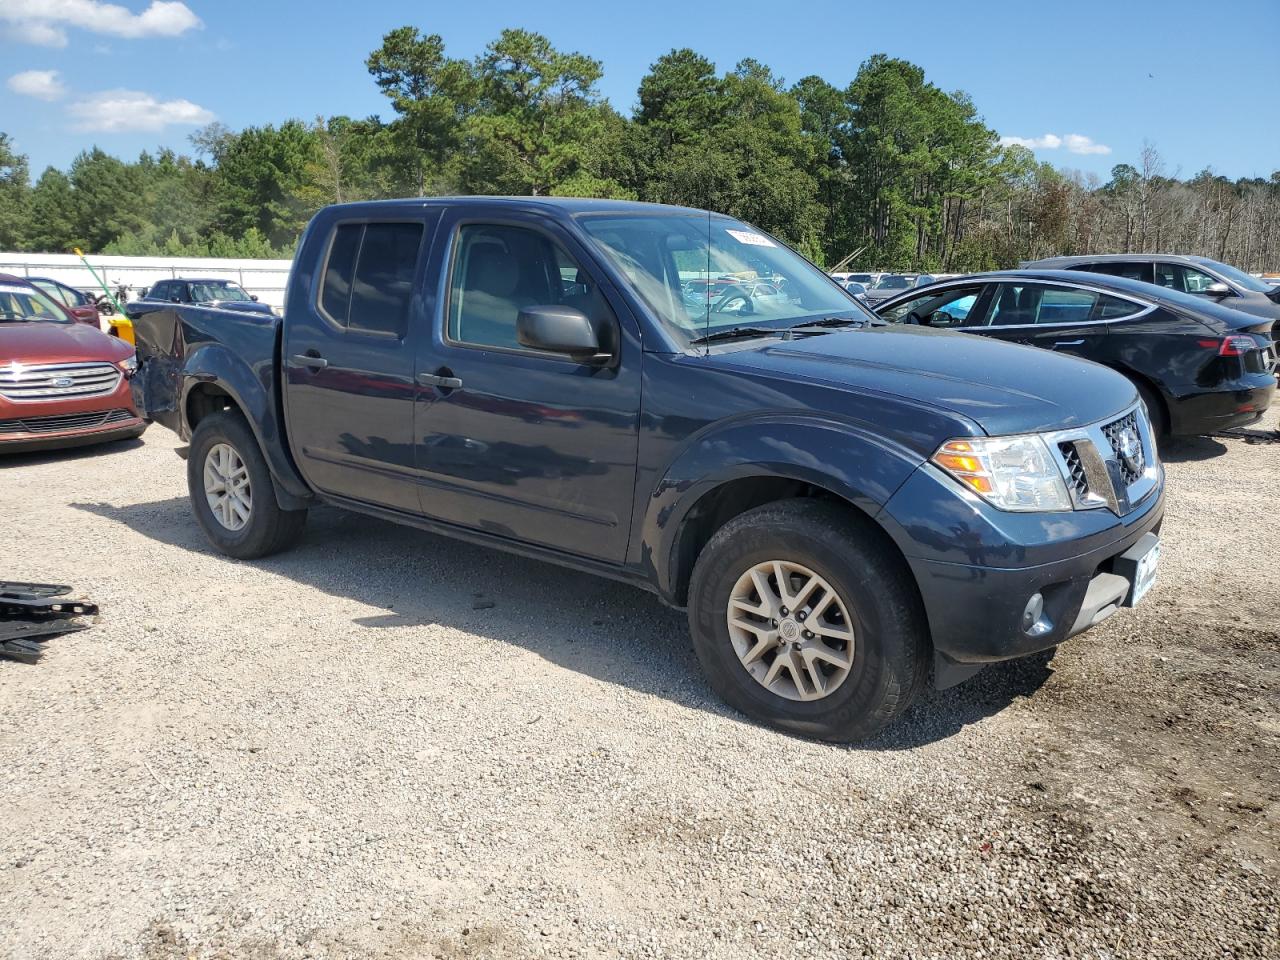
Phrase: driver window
(499, 270)
(955, 304)
(1193, 281)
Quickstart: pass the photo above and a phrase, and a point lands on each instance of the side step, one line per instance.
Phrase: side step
(31, 614)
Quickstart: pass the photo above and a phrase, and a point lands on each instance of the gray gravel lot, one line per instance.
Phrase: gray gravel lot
(345, 751)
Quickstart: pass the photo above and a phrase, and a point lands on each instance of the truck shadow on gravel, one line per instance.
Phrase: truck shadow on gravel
(605, 630)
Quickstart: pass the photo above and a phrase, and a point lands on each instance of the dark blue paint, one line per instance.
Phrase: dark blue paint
(601, 467)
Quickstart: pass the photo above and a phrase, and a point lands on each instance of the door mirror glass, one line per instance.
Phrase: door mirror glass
(941, 318)
(558, 329)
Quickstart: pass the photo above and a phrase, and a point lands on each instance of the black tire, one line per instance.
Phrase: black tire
(1155, 410)
(269, 529)
(891, 646)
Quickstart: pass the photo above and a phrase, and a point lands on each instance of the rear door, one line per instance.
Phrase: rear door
(349, 355)
(1058, 317)
(526, 444)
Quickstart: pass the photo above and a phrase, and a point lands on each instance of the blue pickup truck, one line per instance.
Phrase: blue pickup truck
(845, 508)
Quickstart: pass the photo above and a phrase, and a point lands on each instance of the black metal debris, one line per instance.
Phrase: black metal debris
(31, 614)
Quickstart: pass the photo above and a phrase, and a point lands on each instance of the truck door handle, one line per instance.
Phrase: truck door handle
(436, 380)
(307, 360)
(1067, 343)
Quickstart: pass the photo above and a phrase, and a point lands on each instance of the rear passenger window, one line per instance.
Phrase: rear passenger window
(1065, 306)
(369, 276)
(1137, 270)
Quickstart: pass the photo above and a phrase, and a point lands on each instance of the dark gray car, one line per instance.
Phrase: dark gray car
(1201, 276)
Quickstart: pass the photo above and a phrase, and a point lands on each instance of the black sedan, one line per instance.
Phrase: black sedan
(215, 292)
(1200, 367)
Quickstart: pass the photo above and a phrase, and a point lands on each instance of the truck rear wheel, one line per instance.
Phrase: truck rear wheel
(804, 619)
(232, 493)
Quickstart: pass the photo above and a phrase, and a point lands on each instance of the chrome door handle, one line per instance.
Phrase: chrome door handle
(435, 380)
(1067, 343)
(305, 360)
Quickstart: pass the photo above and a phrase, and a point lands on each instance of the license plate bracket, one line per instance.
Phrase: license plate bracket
(1139, 565)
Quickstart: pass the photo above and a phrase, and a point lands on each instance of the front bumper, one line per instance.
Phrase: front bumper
(55, 440)
(977, 568)
(69, 422)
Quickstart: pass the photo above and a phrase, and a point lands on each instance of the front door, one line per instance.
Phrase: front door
(349, 355)
(528, 445)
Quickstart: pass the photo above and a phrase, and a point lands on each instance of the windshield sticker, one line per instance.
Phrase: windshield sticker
(750, 239)
(20, 291)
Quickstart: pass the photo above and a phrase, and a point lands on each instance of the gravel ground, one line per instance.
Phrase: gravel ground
(385, 744)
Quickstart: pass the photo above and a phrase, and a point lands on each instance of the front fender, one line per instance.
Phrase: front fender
(839, 457)
(252, 389)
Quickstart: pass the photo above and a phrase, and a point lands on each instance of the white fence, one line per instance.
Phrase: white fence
(265, 278)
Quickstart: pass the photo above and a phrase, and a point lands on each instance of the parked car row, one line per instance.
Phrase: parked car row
(1198, 366)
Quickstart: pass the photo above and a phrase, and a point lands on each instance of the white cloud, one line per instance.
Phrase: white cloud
(1074, 142)
(1048, 142)
(41, 84)
(120, 111)
(38, 33)
(43, 22)
(1078, 143)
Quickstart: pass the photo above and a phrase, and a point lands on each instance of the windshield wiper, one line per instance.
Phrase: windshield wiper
(830, 322)
(739, 333)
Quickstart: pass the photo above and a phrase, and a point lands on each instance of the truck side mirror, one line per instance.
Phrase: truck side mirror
(559, 329)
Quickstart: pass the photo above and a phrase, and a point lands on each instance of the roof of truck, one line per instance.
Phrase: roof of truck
(569, 205)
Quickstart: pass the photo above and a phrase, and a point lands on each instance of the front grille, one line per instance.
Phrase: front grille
(57, 381)
(1117, 432)
(70, 421)
(1094, 466)
(1076, 478)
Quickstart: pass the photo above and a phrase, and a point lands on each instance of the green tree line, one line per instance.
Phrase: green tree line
(889, 171)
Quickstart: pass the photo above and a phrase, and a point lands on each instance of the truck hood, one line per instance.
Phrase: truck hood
(1004, 388)
(44, 342)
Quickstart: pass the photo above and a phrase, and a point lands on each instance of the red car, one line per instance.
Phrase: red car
(78, 303)
(62, 383)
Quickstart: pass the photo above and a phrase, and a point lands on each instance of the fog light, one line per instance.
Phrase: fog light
(1033, 612)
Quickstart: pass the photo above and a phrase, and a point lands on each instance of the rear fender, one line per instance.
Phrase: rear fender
(251, 390)
(836, 457)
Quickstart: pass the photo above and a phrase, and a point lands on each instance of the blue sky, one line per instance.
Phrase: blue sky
(1200, 82)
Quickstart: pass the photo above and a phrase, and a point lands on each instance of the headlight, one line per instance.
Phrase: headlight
(1012, 473)
(129, 365)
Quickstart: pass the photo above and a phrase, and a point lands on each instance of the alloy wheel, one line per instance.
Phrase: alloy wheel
(226, 486)
(791, 630)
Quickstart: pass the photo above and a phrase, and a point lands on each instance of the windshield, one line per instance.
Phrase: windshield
(22, 304)
(893, 282)
(206, 291)
(703, 273)
(1237, 276)
(862, 278)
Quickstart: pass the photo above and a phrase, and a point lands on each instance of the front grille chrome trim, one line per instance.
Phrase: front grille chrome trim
(35, 383)
(1095, 474)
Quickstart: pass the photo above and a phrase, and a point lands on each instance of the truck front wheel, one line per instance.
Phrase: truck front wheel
(232, 493)
(804, 619)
